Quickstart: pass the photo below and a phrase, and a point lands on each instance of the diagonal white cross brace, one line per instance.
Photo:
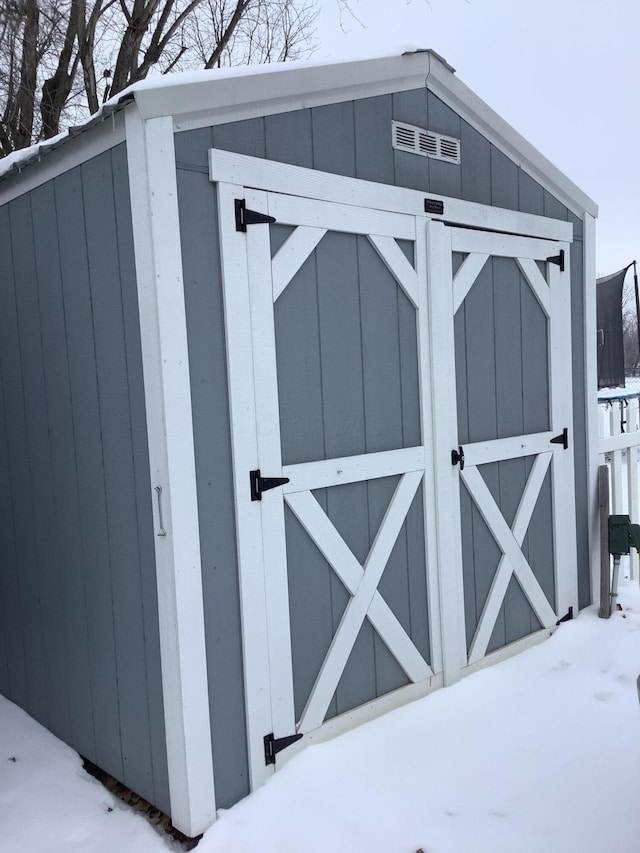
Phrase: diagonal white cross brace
(505, 569)
(397, 264)
(366, 601)
(537, 282)
(507, 542)
(469, 271)
(292, 254)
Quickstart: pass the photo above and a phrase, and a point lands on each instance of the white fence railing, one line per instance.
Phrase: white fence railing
(618, 442)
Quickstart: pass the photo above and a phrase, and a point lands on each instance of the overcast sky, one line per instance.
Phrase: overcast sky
(564, 73)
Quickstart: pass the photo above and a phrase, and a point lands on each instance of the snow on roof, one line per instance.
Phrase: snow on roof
(201, 98)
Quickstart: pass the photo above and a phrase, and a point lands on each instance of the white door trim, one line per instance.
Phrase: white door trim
(241, 170)
(244, 446)
(165, 361)
(445, 427)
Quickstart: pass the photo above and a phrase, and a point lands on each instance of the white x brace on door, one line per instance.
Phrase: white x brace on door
(253, 282)
(543, 266)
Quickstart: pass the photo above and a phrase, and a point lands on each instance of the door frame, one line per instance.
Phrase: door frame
(236, 177)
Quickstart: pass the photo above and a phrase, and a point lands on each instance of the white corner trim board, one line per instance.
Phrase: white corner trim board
(158, 259)
(591, 395)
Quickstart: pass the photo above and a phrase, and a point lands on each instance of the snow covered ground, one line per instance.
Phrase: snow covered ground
(539, 753)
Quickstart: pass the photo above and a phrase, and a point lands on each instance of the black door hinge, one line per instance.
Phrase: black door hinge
(562, 439)
(260, 484)
(272, 746)
(568, 616)
(457, 458)
(558, 260)
(245, 217)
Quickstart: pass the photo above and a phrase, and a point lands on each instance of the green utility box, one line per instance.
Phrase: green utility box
(622, 535)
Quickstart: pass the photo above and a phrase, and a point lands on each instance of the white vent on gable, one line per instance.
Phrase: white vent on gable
(417, 140)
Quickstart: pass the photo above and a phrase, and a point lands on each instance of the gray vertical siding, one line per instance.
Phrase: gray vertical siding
(353, 139)
(77, 571)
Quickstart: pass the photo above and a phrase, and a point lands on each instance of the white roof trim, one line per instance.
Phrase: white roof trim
(218, 100)
(218, 97)
(283, 88)
(494, 128)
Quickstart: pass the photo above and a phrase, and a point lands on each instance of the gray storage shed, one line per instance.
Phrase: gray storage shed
(297, 392)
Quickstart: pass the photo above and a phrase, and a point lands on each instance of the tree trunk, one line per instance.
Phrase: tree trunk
(28, 70)
(55, 90)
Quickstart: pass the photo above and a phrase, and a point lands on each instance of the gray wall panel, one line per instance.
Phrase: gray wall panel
(192, 149)
(504, 180)
(207, 362)
(71, 375)
(143, 512)
(535, 363)
(59, 514)
(12, 634)
(288, 138)
(245, 137)
(119, 484)
(374, 154)
(44, 532)
(20, 404)
(90, 471)
(333, 134)
(475, 166)
(481, 358)
(530, 195)
(553, 208)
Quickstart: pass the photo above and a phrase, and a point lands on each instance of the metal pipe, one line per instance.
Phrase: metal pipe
(614, 582)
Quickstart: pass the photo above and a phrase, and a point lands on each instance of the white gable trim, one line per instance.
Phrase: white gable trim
(49, 161)
(235, 98)
(480, 116)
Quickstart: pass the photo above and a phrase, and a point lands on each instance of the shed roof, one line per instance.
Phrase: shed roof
(202, 98)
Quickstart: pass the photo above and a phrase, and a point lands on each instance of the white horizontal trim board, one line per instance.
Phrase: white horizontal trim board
(239, 169)
(485, 452)
(511, 650)
(613, 443)
(363, 714)
(297, 210)
(352, 469)
(501, 245)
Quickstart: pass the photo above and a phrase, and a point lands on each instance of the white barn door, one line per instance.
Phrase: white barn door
(283, 505)
(502, 380)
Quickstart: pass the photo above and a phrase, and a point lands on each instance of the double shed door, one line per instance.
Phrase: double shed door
(347, 388)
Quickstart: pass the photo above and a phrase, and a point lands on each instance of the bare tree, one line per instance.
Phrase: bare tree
(55, 53)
